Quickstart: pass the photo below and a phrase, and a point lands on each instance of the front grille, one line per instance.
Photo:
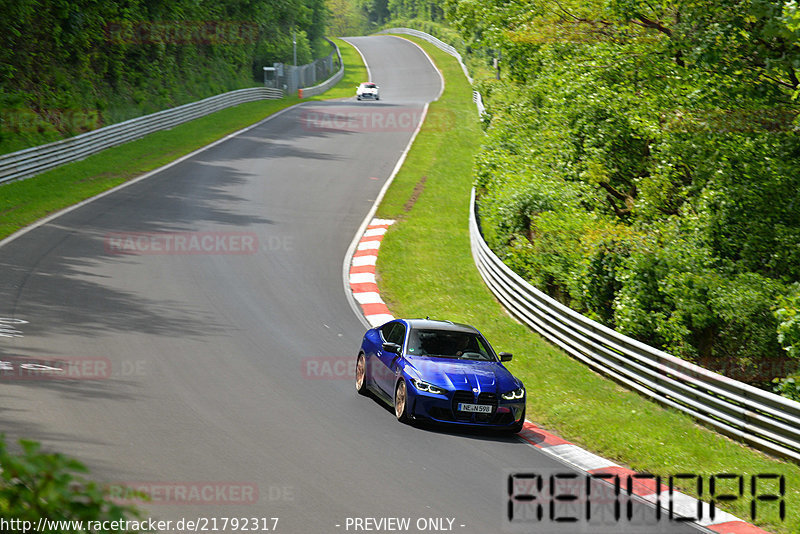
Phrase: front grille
(469, 398)
(459, 397)
(486, 398)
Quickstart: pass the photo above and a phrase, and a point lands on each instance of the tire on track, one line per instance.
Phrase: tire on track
(361, 374)
(401, 401)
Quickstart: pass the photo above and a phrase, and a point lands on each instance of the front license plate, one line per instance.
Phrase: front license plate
(476, 408)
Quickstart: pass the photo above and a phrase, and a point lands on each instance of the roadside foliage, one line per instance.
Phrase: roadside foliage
(35, 484)
(72, 66)
(642, 165)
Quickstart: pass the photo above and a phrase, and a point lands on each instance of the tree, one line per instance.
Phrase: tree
(642, 165)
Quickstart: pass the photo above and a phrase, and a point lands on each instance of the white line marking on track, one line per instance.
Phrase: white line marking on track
(578, 457)
(8, 327)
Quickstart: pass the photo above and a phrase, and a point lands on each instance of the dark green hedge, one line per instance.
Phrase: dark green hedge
(642, 165)
(70, 66)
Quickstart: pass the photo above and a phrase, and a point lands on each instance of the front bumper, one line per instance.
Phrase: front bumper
(444, 408)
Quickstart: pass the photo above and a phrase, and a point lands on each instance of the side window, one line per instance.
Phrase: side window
(398, 334)
(386, 331)
(394, 333)
(483, 348)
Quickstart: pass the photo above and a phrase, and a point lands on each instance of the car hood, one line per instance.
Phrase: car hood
(466, 375)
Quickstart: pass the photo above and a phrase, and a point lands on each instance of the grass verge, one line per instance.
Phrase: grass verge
(26, 201)
(426, 269)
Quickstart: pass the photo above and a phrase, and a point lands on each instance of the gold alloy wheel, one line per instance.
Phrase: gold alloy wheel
(400, 401)
(361, 374)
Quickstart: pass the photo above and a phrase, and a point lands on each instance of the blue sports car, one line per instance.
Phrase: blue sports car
(442, 372)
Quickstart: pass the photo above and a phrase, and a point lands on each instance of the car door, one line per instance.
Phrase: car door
(387, 360)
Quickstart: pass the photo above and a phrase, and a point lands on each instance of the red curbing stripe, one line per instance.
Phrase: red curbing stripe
(736, 527)
(362, 269)
(368, 238)
(621, 471)
(368, 245)
(364, 287)
(376, 308)
(366, 252)
(538, 437)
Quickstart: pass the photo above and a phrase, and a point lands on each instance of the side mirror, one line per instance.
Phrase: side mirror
(505, 356)
(391, 347)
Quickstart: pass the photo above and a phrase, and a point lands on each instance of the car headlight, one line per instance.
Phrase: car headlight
(430, 388)
(514, 395)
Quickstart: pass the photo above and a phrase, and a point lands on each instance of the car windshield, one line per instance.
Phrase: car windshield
(449, 344)
(369, 85)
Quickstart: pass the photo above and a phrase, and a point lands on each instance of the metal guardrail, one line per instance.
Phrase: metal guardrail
(765, 420)
(478, 100)
(327, 84)
(32, 161)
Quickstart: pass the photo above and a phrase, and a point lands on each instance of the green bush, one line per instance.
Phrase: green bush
(788, 315)
(105, 62)
(35, 484)
(647, 174)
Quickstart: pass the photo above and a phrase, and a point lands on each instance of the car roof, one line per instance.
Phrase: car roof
(432, 324)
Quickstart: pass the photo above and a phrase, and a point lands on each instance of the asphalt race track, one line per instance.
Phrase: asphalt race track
(202, 317)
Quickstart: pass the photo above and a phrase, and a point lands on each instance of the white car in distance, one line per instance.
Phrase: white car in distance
(367, 90)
